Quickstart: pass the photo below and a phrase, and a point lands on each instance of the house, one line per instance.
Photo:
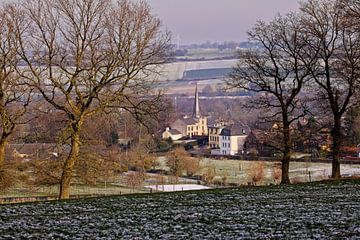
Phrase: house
(172, 134)
(214, 136)
(30, 151)
(214, 130)
(196, 125)
(232, 139)
(124, 143)
(307, 137)
(260, 143)
(310, 136)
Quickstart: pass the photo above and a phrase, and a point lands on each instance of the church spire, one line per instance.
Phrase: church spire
(196, 111)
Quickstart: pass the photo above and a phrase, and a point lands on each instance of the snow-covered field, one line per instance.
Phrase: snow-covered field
(306, 211)
(176, 187)
(175, 71)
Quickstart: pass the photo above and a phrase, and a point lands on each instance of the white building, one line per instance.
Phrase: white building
(172, 134)
(232, 139)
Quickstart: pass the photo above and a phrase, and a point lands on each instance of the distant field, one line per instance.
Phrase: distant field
(236, 171)
(210, 73)
(299, 171)
(210, 53)
(328, 210)
(175, 71)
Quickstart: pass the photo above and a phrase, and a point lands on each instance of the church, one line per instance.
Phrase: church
(188, 127)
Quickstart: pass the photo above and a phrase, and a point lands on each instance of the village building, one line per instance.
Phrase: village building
(214, 130)
(232, 139)
(196, 125)
(260, 143)
(172, 134)
(307, 137)
(214, 136)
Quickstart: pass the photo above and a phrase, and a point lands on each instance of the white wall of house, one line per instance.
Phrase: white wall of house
(232, 145)
(225, 145)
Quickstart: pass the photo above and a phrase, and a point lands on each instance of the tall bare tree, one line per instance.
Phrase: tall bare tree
(352, 8)
(277, 72)
(84, 56)
(335, 39)
(14, 96)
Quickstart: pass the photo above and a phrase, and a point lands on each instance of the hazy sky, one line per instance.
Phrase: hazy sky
(216, 20)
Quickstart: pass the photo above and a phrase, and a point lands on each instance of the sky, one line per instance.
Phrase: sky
(196, 21)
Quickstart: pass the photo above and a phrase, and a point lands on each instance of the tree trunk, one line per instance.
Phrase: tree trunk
(70, 162)
(2, 161)
(2, 154)
(336, 137)
(3, 179)
(285, 164)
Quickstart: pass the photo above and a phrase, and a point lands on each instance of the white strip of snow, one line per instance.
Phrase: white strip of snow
(176, 187)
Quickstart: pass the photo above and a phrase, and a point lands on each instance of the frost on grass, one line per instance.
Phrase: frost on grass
(319, 211)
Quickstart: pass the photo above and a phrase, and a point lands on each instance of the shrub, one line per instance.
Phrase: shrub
(276, 173)
(256, 173)
(7, 180)
(134, 179)
(209, 175)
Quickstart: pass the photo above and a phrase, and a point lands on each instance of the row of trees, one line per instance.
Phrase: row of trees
(82, 57)
(307, 59)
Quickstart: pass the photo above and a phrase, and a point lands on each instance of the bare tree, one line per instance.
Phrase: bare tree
(179, 161)
(134, 179)
(352, 8)
(335, 39)
(14, 96)
(277, 72)
(84, 56)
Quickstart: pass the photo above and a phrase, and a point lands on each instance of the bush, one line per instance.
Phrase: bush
(7, 179)
(209, 175)
(276, 173)
(256, 173)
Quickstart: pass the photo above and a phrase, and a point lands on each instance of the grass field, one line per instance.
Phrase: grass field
(237, 171)
(324, 210)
